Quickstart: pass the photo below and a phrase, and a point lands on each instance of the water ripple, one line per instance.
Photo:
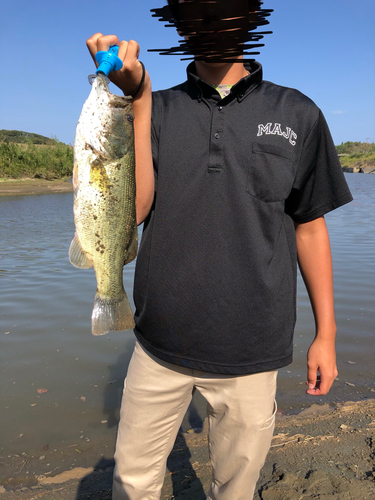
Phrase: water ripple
(46, 308)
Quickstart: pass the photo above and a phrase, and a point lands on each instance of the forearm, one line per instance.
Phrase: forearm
(144, 173)
(315, 263)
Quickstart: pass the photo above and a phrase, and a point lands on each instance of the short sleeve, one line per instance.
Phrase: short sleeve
(319, 185)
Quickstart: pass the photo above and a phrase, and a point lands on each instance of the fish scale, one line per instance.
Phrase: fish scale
(104, 202)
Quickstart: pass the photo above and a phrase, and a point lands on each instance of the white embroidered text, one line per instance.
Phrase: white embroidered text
(275, 129)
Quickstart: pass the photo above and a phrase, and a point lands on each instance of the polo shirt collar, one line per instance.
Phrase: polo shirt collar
(240, 90)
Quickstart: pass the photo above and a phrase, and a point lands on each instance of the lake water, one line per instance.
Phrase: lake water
(46, 342)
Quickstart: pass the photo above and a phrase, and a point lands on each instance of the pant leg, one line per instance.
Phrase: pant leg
(155, 399)
(241, 415)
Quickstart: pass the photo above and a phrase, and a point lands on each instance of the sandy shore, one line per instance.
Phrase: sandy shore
(324, 453)
(33, 186)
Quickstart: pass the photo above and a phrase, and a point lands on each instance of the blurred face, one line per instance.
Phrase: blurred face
(214, 29)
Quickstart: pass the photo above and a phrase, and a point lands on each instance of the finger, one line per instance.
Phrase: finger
(314, 392)
(133, 49)
(132, 68)
(326, 381)
(123, 47)
(91, 44)
(323, 384)
(130, 59)
(107, 41)
(318, 391)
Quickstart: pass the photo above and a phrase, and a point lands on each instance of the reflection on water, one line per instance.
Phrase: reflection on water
(46, 340)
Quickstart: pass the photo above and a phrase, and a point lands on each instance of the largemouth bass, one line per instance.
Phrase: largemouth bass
(104, 202)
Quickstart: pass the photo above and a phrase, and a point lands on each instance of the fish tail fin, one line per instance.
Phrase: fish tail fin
(111, 315)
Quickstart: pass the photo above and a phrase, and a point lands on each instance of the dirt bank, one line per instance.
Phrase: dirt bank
(33, 186)
(325, 452)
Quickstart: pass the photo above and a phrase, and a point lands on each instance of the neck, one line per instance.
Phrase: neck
(220, 73)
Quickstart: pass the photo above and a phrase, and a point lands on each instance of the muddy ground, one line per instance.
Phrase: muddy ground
(33, 186)
(324, 453)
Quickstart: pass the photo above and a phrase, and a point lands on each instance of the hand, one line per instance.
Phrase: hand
(129, 76)
(321, 357)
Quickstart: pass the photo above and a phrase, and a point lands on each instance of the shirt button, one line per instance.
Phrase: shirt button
(217, 135)
(220, 108)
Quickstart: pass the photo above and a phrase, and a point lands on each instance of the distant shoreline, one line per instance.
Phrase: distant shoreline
(26, 186)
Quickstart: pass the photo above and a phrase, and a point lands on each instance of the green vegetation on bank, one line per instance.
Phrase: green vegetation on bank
(354, 154)
(33, 156)
(21, 137)
(25, 154)
(353, 148)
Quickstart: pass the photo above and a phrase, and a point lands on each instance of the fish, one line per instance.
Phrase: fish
(106, 236)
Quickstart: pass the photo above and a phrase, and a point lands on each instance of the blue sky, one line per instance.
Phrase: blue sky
(324, 49)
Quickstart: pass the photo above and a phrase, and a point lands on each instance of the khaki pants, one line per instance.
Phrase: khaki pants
(241, 416)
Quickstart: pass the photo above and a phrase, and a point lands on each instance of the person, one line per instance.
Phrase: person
(234, 176)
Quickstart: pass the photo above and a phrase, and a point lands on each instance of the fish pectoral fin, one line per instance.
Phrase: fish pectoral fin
(77, 256)
(131, 252)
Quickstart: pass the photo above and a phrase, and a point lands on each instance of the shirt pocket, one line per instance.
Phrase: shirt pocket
(271, 173)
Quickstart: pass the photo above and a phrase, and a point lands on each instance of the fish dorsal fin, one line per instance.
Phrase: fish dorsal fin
(77, 256)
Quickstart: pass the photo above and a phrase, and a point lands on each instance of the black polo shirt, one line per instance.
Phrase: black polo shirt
(215, 281)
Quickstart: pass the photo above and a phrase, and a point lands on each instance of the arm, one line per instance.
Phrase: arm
(127, 79)
(315, 263)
